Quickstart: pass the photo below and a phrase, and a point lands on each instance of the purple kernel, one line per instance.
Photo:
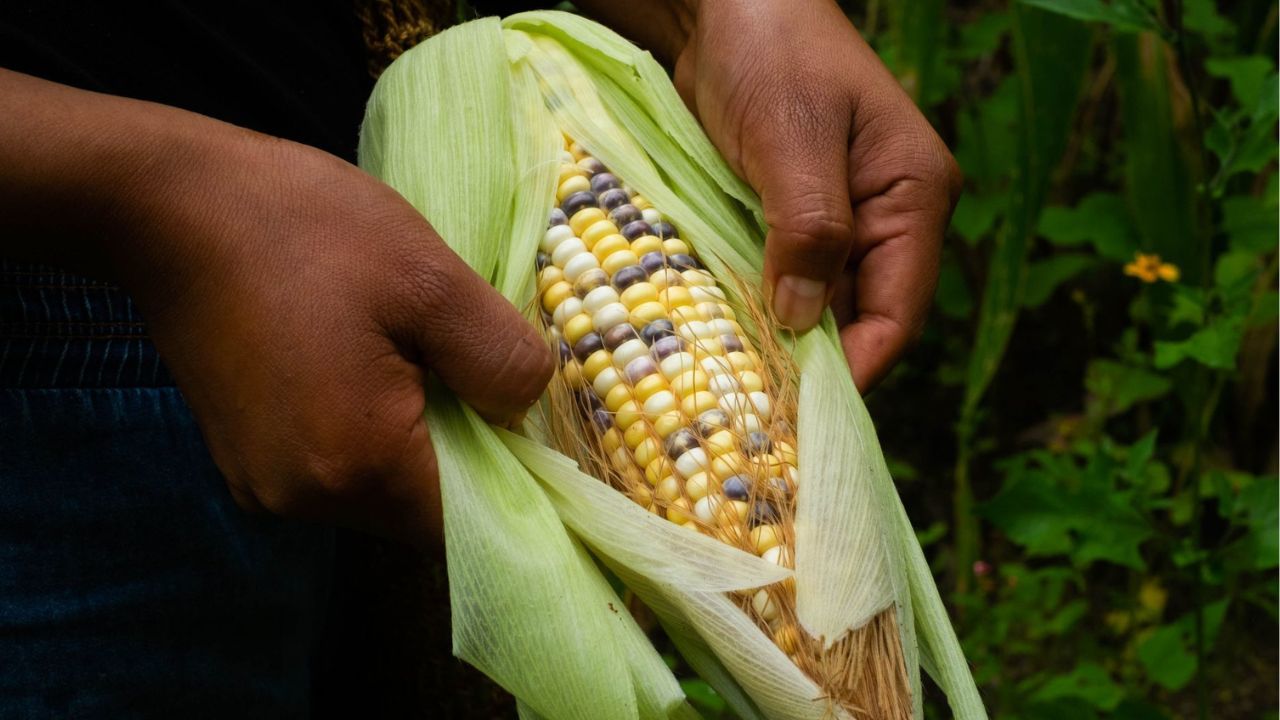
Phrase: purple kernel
(764, 513)
(557, 218)
(624, 214)
(602, 418)
(613, 199)
(541, 260)
(602, 181)
(586, 345)
(578, 201)
(757, 443)
(736, 487)
(636, 229)
(566, 352)
(640, 368)
(731, 343)
(664, 230)
(680, 442)
(656, 330)
(628, 276)
(591, 165)
(711, 422)
(780, 486)
(683, 262)
(665, 347)
(618, 334)
(590, 280)
(652, 262)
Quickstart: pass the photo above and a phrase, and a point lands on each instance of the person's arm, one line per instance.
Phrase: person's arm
(297, 301)
(857, 187)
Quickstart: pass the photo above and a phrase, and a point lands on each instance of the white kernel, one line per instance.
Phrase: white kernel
(607, 380)
(721, 385)
(697, 278)
(609, 316)
(764, 606)
(566, 157)
(778, 555)
(715, 365)
(555, 235)
(579, 264)
(566, 250)
(676, 363)
(760, 402)
(705, 509)
(735, 404)
(692, 329)
(702, 294)
(598, 298)
(628, 351)
(692, 462)
(660, 402)
(566, 311)
(651, 215)
(719, 326)
(748, 423)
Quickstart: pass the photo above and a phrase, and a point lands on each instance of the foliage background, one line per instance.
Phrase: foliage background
(1090, 458)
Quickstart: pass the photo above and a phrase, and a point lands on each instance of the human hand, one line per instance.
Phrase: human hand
(297, 301)
(857, 187)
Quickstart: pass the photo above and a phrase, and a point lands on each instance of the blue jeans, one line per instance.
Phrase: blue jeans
(130, 584)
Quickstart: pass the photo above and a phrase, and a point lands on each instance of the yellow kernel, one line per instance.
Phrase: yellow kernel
(755, 359)
(619, 260)
(611, 440)
(568, 170)
(732, 514)
(577, 151)
(698, 403)
(693, 276)
(549, 276)
(665, 278)
(646, 244)
(721, 442)
(598, 231)
(700, 485)
(571, 185)
(641, 494)
(727, 465)
(675, 296)
(576, 327)
(649, 385)
(688, 382)
(640, 202)
(787, 639)
(765, 466)
(621, 460)
(585, 218)
(674, 246)
(632, 477)
(617, 396)
(647, 450)
(740, 361)
(669, 422)
(657, 469)
(636, 434)
(669, 489)
(750, 381)
(684, 314)
(646, 312)
(609, 245)
(628, 414)
(785, 453)
(709, 346)
(638, 294)
(596, 361)
(556, 294)
(764, 537)
(727, 311)
(572, 374)
(707, 310)
(679, 512)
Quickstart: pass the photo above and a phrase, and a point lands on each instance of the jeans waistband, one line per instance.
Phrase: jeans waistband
(59, 330)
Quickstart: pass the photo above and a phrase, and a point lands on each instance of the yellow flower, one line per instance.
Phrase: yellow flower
(1149, 269)
(1152, 596)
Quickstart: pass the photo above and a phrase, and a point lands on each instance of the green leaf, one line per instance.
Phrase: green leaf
(703, 697)
(1122, 386)
(1034, 513)
(1202, 16)
(983, 36)
(1248, 76)
(1262, 544)
(952, 297)
(1166, 659)
(1188, 306)
(1088, 682)
(1099, 219)
(976, 215)
(1122, 15)
(1250, 223)
(1044, 276)
(1215, 346)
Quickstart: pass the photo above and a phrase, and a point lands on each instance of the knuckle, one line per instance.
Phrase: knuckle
(821, 224)
(525, 369)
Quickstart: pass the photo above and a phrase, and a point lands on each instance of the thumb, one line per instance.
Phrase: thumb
(801, 172)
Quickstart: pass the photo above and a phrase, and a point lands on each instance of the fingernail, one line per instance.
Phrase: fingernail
(798, 302)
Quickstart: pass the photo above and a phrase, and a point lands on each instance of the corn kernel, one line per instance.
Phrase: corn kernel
(565, 311)
(578, 265)
(679, 512)
(765, 465)
(645, 244)
(740, 361)
(699, 486)
(721, 442)
(660, 402)
(751, 382)
(647, 450)
(665, 278)
(657, 469)
(676, 363)
(556, 294)
(641, 203)
(621, 460)
(597, 232)
(691, 462)
(576, 327)
(638, 294)
(764, 606)
(675, 246)
(619, 260)
(585, 218)
(779, 555)
(707, 508)
(605, 380)
(572, 374)
(764, 537)
(727, 465)
(628, 351)
(689, 382)
(549, 276)
(617, 396)
(628, 414)
(647, 312)
(595, 363)
(641, 494)
(785, 453)
(669, 422)
(571, 185)
(732, 513)
(566, 250)
(693, 276)
(609, 246)
(633, 477)
(674, 296)
(635, 435)
(787, 638)
(568, 170)
(698, 402)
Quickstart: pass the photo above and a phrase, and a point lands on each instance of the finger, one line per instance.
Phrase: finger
(801, 172)
(895, 276)
(469, 335)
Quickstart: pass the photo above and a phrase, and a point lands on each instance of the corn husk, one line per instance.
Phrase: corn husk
(467, 127)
